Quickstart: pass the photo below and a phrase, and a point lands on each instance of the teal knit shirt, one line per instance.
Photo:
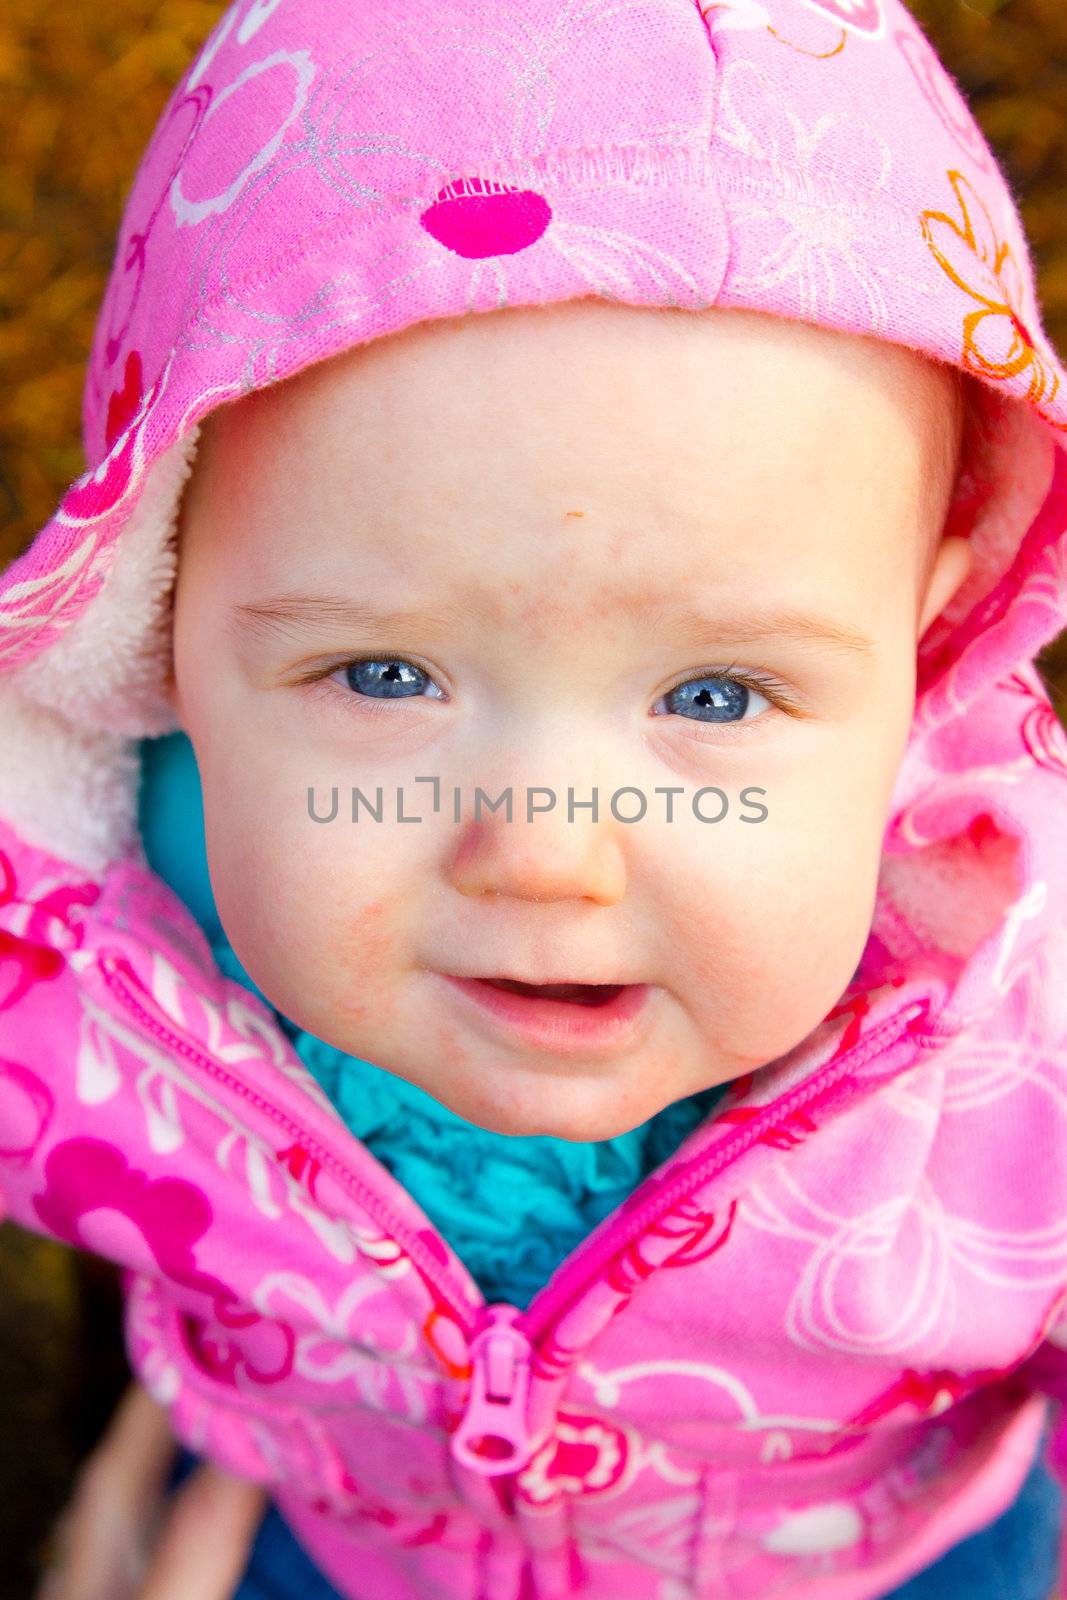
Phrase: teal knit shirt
(512, 1207)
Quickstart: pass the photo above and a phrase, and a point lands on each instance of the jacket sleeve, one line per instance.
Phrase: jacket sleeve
(45, 904)
(68, 815)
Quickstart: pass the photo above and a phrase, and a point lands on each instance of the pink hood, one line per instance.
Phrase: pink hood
(810, 1353)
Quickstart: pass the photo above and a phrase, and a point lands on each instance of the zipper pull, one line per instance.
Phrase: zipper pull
(493, 1436)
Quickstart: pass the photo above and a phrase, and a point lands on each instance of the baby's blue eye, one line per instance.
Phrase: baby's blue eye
(713, 697)
(387, 678)
(716, 697)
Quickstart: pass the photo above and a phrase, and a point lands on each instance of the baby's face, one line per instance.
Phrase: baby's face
(585, 548)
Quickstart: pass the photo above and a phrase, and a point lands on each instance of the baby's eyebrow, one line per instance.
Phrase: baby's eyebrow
(292, 613)
(753, 627)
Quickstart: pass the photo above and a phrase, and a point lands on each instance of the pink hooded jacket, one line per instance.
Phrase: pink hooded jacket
(815, 1348)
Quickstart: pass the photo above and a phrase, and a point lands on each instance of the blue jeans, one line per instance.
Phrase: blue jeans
(1014, 1558)
(1017, 1557)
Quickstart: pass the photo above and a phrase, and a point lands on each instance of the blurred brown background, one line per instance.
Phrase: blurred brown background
(81, 85)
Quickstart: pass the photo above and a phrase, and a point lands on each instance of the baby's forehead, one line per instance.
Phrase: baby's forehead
(394, 395)
(725, 345)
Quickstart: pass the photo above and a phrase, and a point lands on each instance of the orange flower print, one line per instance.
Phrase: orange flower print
(996, 341)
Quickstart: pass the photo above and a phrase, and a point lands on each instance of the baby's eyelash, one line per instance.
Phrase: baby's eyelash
(318, 674)
(321, 680)
(766, 683)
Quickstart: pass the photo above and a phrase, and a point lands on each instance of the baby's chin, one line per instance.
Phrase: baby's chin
(575, 1106)
(576, 1128)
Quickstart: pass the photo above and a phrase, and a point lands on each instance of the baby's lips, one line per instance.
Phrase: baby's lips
(581, 993)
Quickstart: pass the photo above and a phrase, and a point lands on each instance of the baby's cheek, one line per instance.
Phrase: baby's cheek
(777, 933)
(267, 902)
(362, 960)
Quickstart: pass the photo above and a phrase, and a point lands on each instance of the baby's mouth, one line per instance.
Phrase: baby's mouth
(582, 994)
(562, 1018)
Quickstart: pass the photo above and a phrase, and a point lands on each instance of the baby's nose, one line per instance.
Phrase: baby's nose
(550, 857)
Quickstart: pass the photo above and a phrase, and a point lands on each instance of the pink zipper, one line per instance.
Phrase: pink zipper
(118, 973)
(586, 1263)
(495, 1415)
(493, 1435)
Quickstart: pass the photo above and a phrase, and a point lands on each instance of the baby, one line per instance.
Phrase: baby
(702, 558)
(533, 838)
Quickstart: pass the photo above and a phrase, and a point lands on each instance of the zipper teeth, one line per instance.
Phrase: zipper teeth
(470, 1316)
(467, 1314)
(622, 1232)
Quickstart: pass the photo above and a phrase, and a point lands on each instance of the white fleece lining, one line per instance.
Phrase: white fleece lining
(72, 717)
(108, 667)
(66, 789)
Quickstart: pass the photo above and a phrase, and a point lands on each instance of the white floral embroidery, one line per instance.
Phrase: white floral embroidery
(818, 244)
